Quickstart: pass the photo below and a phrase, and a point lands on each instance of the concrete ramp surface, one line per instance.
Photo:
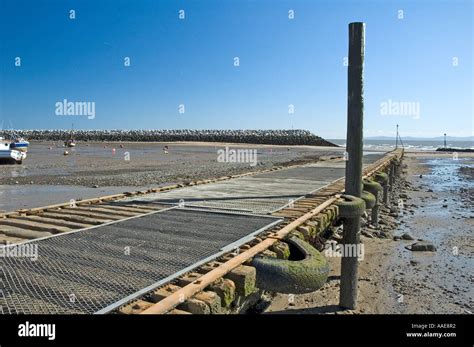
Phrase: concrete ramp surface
(93, 270)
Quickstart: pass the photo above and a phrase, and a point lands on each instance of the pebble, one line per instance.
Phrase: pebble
(422, 246)
(367, 234)
(407, 236)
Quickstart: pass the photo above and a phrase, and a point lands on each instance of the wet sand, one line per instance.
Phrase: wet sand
(13, 197)
(438, 207)
(90, 170)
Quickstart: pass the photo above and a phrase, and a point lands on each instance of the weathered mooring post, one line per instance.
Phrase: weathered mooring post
(391, 175)
(374, 217)
(396, 139)
(385, 187)
(355, 113)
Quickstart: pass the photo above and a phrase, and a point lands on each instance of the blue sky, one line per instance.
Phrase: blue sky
(283, 61)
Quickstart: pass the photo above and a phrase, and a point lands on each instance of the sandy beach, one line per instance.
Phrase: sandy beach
(90, 170)
(432, 201)
(437, 194)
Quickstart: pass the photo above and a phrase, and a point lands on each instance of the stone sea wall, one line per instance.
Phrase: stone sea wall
(274, 137)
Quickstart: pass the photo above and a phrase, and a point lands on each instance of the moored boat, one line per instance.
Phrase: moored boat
(70, 143)
(20, 144)
(9, 155)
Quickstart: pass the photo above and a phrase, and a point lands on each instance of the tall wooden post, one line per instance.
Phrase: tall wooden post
(355, 115)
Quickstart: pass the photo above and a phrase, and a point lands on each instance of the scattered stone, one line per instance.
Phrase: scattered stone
(445, 206)
(211, 299)
(244, 278)
(367, 234)
(414, 262)
(407, 236)
(95, 186)
(225, 288)
(422, 246)
(282, 250)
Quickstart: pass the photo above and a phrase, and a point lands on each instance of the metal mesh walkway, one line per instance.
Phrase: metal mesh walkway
(261, 194)
(93, 270)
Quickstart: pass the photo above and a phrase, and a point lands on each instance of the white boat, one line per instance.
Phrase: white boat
(20, 144)
(9, 155)
(70, 143)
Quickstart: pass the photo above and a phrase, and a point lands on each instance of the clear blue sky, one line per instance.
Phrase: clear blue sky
(191, 62)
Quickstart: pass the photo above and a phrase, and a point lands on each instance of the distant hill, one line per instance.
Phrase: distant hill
(437, 138)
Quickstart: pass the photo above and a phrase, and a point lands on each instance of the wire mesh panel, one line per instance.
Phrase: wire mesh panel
(372, 157)
(87, 270)
(247, 205)
(308, 173)
(261, 194)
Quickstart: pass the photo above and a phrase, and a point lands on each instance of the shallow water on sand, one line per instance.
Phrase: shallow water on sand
(30, 196)
(441, 281)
